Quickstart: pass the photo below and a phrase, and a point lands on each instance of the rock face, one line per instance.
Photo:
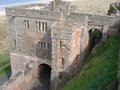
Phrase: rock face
(50, 37)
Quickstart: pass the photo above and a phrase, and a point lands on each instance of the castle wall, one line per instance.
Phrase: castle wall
(75, 44)
(61, 38)
(18, 82)
(29, 13)
(24, 42)
(69, 43)
(75, 66)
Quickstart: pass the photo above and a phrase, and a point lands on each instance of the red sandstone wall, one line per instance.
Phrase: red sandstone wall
(75, 44)
(18, 82)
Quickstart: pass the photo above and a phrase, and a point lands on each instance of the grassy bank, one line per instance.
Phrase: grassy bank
(4, 51)
(3, 35)
(4, 59)
(5, 71)
(99, 70)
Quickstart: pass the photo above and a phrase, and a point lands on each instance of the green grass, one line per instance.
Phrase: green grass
(99, 69)
(5, 59)
(4, 52)
(5, 71)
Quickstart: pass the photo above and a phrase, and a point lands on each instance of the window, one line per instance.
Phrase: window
(60, 75)
(42, 45)
(63, 62)
(60, 9)
(45, 26)
(40, 26)
(36, 26)
(26, 24)
(19, 36)
(61, 43)
(14, 42)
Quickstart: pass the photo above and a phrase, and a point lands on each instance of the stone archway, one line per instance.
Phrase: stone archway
(42, 79)
(95, 36)
(44, 75)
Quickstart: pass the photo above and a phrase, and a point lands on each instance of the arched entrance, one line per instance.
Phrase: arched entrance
(44, 74)
(95, 36)
(42, 81)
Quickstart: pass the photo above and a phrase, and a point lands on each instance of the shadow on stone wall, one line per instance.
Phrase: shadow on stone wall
(44, 54)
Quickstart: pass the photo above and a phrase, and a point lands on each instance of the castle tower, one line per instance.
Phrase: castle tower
(55, 3)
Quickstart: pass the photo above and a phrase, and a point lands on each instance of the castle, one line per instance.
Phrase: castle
(48, 43)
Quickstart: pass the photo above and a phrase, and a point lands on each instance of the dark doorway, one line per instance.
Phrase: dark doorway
(43, 80)
(44, 76)
(95, 37)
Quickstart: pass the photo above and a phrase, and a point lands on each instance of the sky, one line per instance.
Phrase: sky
(4, 3)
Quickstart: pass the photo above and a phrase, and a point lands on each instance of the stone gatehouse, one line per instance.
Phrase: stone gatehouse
(48, 43)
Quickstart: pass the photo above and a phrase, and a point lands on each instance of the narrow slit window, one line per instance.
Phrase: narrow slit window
(36, 26)
(14, 42)
(61, 43)
(45, 26)
(63, 62)
(26, 24)
(42, 26)
(60, 75)
(39, 26)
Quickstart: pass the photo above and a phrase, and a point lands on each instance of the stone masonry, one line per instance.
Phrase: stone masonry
(50, 35)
